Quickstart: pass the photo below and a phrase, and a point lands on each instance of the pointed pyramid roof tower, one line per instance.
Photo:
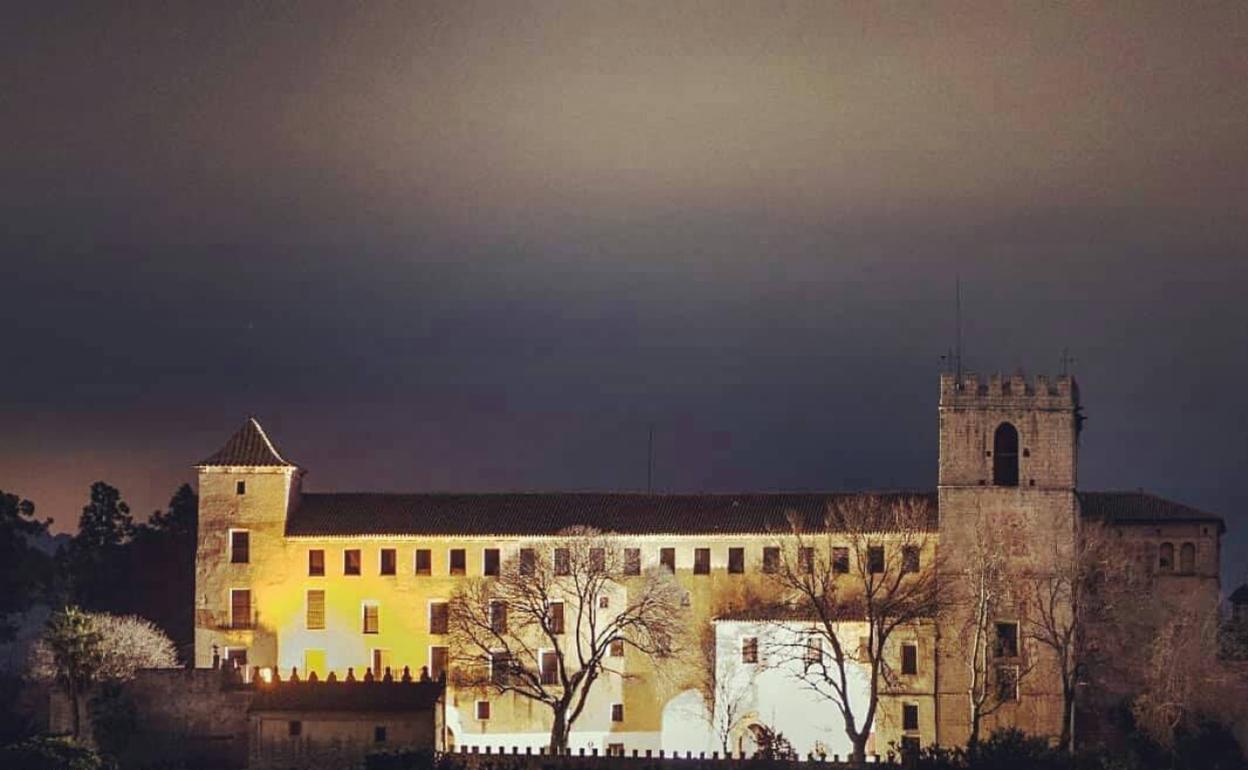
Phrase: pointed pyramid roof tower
(248, 447)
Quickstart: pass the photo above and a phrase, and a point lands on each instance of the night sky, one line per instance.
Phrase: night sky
(472, 246)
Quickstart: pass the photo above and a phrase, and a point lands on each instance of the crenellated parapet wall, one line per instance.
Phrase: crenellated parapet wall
(1012, 392)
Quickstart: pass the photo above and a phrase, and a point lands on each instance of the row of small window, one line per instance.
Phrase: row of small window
(617, 715)
(457, 560)
(370, 614)
(1006, 647)
(1187, 559)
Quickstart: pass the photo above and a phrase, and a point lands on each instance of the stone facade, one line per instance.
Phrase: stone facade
(1018, 480)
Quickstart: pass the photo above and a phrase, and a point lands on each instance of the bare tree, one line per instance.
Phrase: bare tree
(81, 649)
(555, 619)
(719, 682)
(858, 567)
(1087, 604)
(981, 594)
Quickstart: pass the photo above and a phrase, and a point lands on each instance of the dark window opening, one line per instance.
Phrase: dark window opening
(483, 709)
(379, 734)
(550, 667)
(1007, 683)
(351, 561)
(910, 716)
(240, 547)
(736, 561)
(240, 608)
(701, 561)
(316, 563)
(1165, 558)
(501, 667)
(424, 561)
(840, 560)
(597, 560)
(372, 618)
(498, 618)
(875, 559)
(909, 659)
(437, 661)
(617, 648)
(459, 561)
(489, 563)
(617, 712)
(563, 562)
(806, 560)
(749, 649)
(528, 562)
(1005, 456)
(1007, 640)
(667, 558)
(555, 617)
(632, 561)
(240, 488)
(910, 558)
(771, 560)
(439, 617)
(294, 728)
(387, 561)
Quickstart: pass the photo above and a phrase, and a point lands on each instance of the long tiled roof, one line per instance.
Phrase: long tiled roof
(248, 447)
(347, 696)
(1128, 507)
(548, 513)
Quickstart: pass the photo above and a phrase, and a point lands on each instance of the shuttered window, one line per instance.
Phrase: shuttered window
(372, 618)
(438, 618)
(316, 610)
(316, 563)
(701, 561)
(632, 561)
(240, 608)
(424, 561)
(240, 546)
(388, 561)
(736, 561)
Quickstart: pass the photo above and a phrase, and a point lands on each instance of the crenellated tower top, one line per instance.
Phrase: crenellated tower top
(1012, 392)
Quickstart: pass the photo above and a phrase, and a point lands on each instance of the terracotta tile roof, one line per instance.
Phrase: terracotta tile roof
(1126, 507)
(346, 696)
(522, 514)
(249, 446)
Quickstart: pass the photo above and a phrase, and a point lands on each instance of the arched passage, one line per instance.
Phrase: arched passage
(1005, 456)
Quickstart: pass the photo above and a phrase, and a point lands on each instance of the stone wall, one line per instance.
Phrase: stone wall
(189, 715)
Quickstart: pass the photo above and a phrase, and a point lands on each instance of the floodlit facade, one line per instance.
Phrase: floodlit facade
(326, 582)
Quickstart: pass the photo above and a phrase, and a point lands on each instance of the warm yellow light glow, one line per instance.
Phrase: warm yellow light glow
(266, 675)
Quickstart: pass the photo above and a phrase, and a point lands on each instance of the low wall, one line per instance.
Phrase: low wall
(504, 758)
(193, 716)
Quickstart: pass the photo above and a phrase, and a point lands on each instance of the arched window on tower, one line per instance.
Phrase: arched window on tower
(1005, 456)
(1187, 558)
(1165, 558)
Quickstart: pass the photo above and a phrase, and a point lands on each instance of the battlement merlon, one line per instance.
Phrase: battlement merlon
(1012, 392)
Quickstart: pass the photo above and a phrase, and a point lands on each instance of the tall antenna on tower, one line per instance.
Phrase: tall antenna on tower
(957, 327)
(650, 461)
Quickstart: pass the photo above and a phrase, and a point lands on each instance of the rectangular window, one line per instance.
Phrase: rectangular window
(316, 610)
(483, 709)
(240, 487)
(814, 650)
(806, 560)
(910, 716)
(379, 734)
(604, 602)
(1007, 640)
(909, 747)
(667, 558)
(500, 668)
(439, 617)
(240, 608)
(875, 559)
(550, 667)
(615, 749)
(372, 618)
(597, 560)
(235, 657)
(458, 561)
(316, 563)
(617, 712)
(381, 663)
(840, 560)
(910, 558)
(771, 560)
(617, 648)
(498, 618)
(437, 662)
(632, 561)
(909, 659)
(1007, 683)
(489, 562)
(388, 561)
(749, 649)
(528, 562)
(351, 561)
(701, 561)
(563, 562)
(555, 612)
(240, 546)
(294, 728)
(424, 561)
(736, 561)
